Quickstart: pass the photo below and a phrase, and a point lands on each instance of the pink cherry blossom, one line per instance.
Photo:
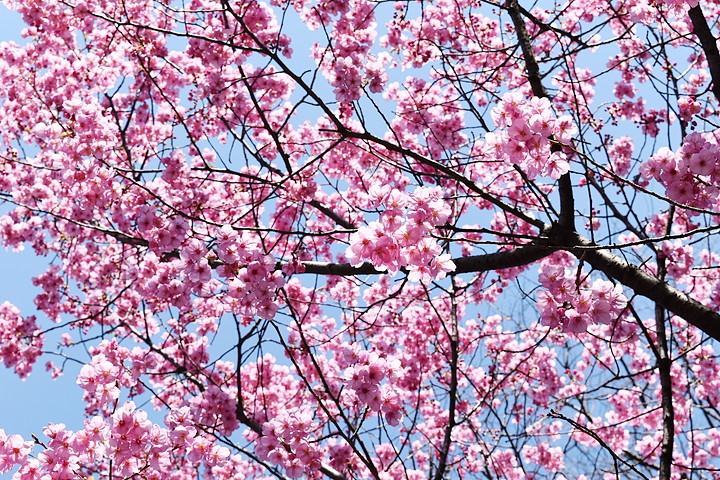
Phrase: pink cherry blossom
(369, 240)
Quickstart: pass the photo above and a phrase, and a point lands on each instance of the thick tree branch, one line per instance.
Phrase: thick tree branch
(531, 65)
(664, 365)
(516, 257)
(709, 46)
(565, 191)
(631, 276)
(332, 215)
(642, 283)
(452, 394)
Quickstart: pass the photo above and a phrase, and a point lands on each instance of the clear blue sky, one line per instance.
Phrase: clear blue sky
(26, 406)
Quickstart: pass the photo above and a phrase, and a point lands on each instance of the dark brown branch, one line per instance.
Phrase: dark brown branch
(709, 45)
(642, 283)
(121, 237)
(343, 269)
(452, 394)
(566, 219)
(332, 215)
(581, 428)
(531, 66)
(664, 365)
(631, 276)
(516, 257)
(565, 191)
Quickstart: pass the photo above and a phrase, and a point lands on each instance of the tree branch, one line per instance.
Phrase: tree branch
(531, 66)
(332, 215)
(631, 276)
(642, 283)
(452, 394)
(565, 191)
(516, 257)
(664, 365)
(709, 46)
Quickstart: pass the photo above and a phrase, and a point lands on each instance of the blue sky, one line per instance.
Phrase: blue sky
(26, 406)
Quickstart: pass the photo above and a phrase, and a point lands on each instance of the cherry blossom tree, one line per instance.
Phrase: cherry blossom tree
(367, 239)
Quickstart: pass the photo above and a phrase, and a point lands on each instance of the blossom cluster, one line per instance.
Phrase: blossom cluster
(364, 376)
(127, 442)
(13, 451)
(21, 340)
(216, 410)
(620, 153)
(528, 130)
(190, 440)
(112, 367)
(552, 458)
(401, 237)
(680, 260)
(430, 109)
(98, 379)
(690, 175)
(285, 443)
(350, 66)
(571, 305)
(249, 274)
(251, 277)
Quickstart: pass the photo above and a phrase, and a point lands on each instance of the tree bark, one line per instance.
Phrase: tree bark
(708, 42)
